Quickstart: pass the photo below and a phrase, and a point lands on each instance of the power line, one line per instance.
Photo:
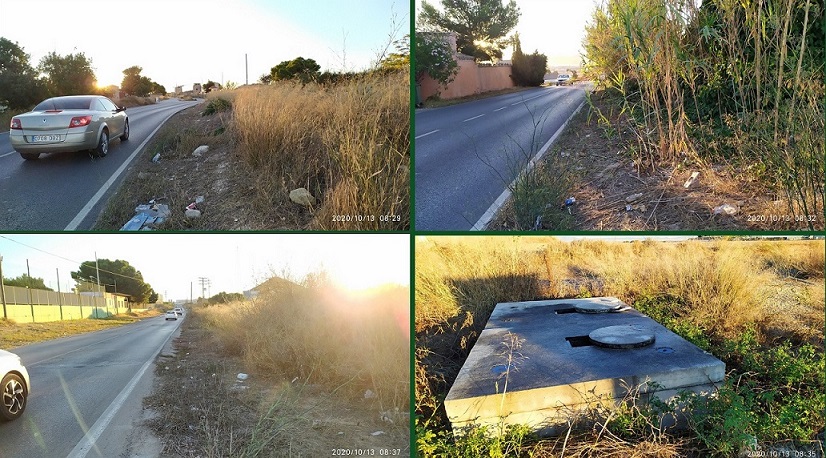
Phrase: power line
(69, 260)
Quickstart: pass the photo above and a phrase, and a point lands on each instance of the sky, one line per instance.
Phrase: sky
(181, 42)
(555, 28)
(232, 262)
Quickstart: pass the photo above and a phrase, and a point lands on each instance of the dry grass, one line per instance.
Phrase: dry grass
(722, 283)
(347, 144)
(350, 351)
(365, 346)
(19, 334)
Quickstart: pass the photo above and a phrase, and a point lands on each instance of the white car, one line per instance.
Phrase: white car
(178, 310)
(14, 386)
(563, 79)
(171, 315)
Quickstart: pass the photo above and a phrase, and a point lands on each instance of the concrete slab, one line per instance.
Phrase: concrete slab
(536, 363)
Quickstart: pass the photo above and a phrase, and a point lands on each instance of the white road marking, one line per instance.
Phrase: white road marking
(499, 109)
(7, 154)
(525, 100)
(497, 204)
(85, 445)
(475, 117)
(425, 135)
(72, 226)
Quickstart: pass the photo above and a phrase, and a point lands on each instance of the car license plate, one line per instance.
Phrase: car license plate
(45, 138)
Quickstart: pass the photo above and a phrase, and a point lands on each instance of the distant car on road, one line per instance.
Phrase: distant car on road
(68, 124)
(563, 79)
(178, 310)
(14, 386)
(171, 315)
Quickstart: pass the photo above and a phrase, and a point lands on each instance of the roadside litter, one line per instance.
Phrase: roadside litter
(147, 217)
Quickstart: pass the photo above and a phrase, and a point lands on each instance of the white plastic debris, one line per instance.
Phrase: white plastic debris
(200, 150)
(369, 394)
(156, 158)
(377, 433)
(691, 180)
(242, 376)
(725, 208)
(633, 197)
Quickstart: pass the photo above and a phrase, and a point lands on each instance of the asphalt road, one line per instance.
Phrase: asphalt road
(65, 191)
(467, 154)
(86, 392)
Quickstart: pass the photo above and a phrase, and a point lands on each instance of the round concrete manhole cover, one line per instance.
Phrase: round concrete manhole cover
(622, 336)
(593, 307)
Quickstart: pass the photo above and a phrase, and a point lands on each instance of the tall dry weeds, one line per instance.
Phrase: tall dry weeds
(325, 335)
(727, 80)
(348, 144)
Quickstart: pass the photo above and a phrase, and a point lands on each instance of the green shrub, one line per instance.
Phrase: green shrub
(216, 105)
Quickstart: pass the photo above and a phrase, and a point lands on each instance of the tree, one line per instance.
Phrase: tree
(395, 62)
(19, 86)
(434, 58)
(71, 74)
(135, 84)
(398, 60)
(117, 277)
(304, 70)
(528, 69)
(481, 26)
(25, 281)
(158, 88)
(225, 298)
(211, 85)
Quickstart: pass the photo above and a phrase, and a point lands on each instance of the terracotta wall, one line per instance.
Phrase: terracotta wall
(471, 79)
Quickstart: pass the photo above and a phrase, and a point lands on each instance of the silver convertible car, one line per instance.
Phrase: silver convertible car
(69, 123)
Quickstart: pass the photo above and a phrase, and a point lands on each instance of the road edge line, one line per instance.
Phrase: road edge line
(497, 204)
(90, 438)
(84, 212)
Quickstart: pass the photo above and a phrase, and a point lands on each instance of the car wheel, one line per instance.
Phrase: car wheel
(14, 394)
(125, 135)
(103, 144)
(30, 156)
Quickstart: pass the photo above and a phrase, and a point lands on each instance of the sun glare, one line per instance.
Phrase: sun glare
(366, 275)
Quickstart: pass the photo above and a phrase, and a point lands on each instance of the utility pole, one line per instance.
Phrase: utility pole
(204, 284)
(97, 270)
(29, 289)
(246, 70)
(59, 294)
(2, 288)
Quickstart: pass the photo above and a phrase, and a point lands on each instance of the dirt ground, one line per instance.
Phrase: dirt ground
(178, 178)
(613, 193)
(202, 408)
